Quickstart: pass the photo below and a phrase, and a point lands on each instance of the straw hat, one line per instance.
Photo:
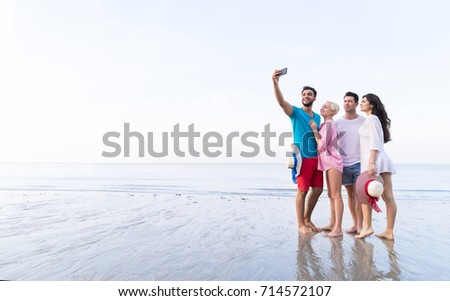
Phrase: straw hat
(369, 189)
(294, 162)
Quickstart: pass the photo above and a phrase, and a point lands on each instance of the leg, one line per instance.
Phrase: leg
(330, 225)
(355, 210)
(300, 209)
(317, 188)
(359, 215)
(367, 221)
(391, 207)
(310, 204)
(334, 177)
(352, 208)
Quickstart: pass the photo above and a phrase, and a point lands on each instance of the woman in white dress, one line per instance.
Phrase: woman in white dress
(373, 133)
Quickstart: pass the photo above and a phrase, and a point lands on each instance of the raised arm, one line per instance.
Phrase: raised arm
(287, 108)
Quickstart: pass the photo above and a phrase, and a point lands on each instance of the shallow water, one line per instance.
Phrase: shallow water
(123, 236)
(91, 222)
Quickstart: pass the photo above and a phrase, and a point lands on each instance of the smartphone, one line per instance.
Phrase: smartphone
(283, 71)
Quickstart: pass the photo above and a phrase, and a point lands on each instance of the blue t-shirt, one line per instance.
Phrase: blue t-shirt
(303, 135)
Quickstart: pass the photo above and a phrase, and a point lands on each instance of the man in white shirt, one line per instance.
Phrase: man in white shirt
(348, 141)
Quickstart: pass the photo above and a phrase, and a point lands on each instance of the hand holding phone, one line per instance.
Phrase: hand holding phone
(283, 71)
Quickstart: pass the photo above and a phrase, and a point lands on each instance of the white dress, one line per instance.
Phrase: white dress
(372, 138)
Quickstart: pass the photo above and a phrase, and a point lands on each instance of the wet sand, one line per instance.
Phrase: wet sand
(141, 236)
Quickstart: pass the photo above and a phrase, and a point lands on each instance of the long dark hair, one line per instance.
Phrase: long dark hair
(379, 110)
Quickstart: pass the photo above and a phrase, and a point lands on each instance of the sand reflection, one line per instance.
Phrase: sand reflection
(345, 258)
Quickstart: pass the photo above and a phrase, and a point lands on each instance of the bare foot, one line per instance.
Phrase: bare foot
(313, 227)
(335, 233)
(385, 235)
(352, 230)
(327, 228)
(364, 233)
(304, 230)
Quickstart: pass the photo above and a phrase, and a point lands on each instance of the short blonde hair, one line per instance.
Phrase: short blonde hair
(334, 107)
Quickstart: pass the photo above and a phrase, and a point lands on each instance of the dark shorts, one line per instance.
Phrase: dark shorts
(351, 173)
(309, 175)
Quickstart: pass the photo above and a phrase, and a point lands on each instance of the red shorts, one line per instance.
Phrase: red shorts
(309, 175)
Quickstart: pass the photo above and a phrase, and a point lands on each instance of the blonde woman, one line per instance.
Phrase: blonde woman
(331, 163)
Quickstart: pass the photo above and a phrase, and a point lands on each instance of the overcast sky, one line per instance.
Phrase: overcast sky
(72, 71)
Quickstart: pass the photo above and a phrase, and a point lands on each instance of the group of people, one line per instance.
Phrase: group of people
(343, 149)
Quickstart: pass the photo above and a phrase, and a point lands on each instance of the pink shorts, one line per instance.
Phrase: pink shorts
(309, 175)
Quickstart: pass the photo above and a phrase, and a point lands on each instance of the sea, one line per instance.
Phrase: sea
(207, 222)
(411, 182)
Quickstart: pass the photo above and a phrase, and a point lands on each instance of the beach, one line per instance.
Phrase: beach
(117, 233)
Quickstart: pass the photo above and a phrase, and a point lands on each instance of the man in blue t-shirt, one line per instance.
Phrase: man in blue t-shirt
(304, 140)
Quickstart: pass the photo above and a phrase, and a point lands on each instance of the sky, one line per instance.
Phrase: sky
(73, 71)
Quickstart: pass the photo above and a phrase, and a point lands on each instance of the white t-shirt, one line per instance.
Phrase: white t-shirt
(348, 139)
